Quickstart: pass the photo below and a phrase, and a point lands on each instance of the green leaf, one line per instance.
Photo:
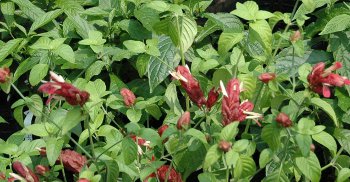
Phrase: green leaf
(271, 135)
(73, 117)
(159, 67)
(309, 5)
(229, 132)
(135, 46)
(53, 149)
(65, 52)
(29, 9)
(135, 29)
(134, 115)
(336, 24)
(240, 145)
(343, 175)
(44, 19)
(196, 134)
(206, 177)
(212, 156)
(279, 176)
(129, 151)
(326, 108)
(2, 120)
(37, 130)
(8, 10)
(227, 40)
(147, 16)
(304, 142)
(309, 166)
(261, 31)
(8, 148)
(142, 64)
(171, 99)
(245, 167)
(227, 22)
(231, 158)
(81, 25)
(9, 48)
(37, 73)
(35, 105)
(247, 10)
(326, 140)
(265, 157)
(112, 170)
(94, 69)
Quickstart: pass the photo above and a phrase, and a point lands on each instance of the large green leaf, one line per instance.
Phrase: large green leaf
(171, 99)
(326, 140)
(336, 24)
(159, 67)
(8, 10)
(44, 19)
(304, 142)
(9, 48)
(245, 167)
(65, 52)
(326, 108)
(271, 135)
(112, 171)
(213, 155)
(309, 166)
(37, 73)
(343, 175)
(29, 9)
(227, 22)
(229, 132)
(73, 117)
(129, 151)
(94, 69)
(227, 40)
(262, 32)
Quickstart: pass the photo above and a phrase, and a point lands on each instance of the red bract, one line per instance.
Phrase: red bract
(162, 172)
(295, 36)
(184, 121)
(162, 129)
(128, 96)
(57, 87)
(83, 180)
(225, 146)
(140, 141)
(25, 172)
(284, 120)
(266, 77)
(42, 170)
(72, 160)
(320, 79)
(213, 96)
(231, 108)
(191, 86)
(4, 74)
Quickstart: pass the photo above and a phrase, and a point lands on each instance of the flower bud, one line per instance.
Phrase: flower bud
(266, 77)
(42, 170)
(162, 129)
(225, 146)
(295, 36)
(213, 96)
(25, 172)
(184, 121)
(129, 97)
(312, 147)
(284, 120)
(83, 180)
(4, 74)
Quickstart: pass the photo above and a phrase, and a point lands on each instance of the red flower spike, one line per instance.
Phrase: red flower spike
(57, 87)
(4, 74)
(184, 121)
(284, 120)
(191, 85)
(25, 172)
(83, 180)
(266, 77)
(231, 108)
(72, 160)
(162, 172)
(225, 146)
(42, 170)
(128, 96)
(213, 96)
(320, 79)
(140, 141)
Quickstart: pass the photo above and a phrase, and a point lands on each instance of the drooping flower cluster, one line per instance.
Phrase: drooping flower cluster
(128, 96)
(232, 109)
(193, 89)
(320, 79)
(162, 172)
(184, 121)
(284, 120)
(58, 87)
(266, 77)
(24, 173)
(4, 74)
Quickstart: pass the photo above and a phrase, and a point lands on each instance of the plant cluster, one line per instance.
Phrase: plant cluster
(161, 90)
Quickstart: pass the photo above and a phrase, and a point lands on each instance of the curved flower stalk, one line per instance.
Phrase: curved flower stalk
(232, 109)
(320, 79)
(58, 88)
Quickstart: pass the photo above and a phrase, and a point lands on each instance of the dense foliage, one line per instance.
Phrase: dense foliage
(160, 90)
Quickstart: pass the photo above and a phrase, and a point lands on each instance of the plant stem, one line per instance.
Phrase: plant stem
(227, 168)
(63, 173)
(92, 145)
(334, 159)
(116, 143)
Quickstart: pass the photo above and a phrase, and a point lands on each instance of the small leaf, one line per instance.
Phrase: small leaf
(35, 105)
(240, 145)
(212, 156)
(65, 52)
(94, 69)
(171, 99)
(309, 166)
(73, 117)
(37, 130)
(229, 132)
(38, 73)
(271, 135)
(326, 108)
(129, 151)
(206, 177)
(9, 48)
(53, 149)
(261, 31)
(112, 170)
(247, 10)
(265, 157)
(304, 142)
(134, 115)
(135, 46)
(46, 18)
(227, 40)
(196, 134)
(343, 175)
